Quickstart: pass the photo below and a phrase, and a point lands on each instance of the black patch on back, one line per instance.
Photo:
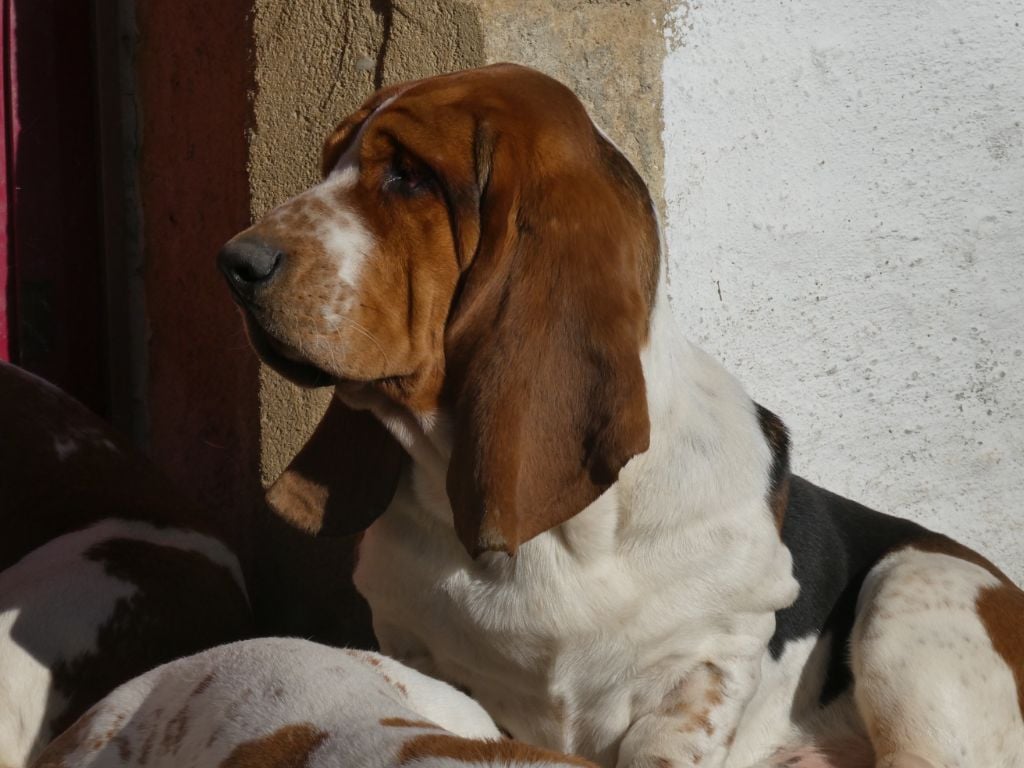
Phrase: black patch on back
(834, 543)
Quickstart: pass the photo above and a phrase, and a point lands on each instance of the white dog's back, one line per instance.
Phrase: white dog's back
(287, 702)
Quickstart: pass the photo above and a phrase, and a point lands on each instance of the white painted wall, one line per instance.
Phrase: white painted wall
(845, 192)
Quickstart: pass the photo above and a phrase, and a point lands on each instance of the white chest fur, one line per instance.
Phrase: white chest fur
(591, 624)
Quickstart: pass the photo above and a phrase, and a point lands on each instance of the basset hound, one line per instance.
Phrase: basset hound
(105, 571)
(570, 511)
(289, 703)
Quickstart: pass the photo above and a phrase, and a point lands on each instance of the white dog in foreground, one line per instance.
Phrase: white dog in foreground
(288, 703)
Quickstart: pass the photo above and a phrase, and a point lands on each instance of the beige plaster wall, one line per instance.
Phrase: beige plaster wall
(315, 62)
(609, 52)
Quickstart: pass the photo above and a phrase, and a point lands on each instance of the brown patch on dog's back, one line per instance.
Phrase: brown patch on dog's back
(55, 755)
(943, 545)
(395, 684)
(175, 730)
(498, 752)
(46, 494)
(287, 747)
(203, 684)
(363, 656)
(184, 603)
(1002, 612)
(1000, 608)
(401, 722)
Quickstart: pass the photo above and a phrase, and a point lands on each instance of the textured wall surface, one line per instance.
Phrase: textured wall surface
(315, 63)
(609, 52)
(845, 184)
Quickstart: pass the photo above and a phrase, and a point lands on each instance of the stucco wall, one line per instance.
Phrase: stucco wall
(314, 64)
(845, 184)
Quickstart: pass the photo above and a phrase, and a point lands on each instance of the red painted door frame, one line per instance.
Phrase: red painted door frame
(55, 268)
(6, 129)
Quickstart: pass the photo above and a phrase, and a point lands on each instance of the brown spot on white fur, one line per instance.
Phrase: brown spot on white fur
(491, 752)
(400, 722)
(63, 746)
(395, 684)
(695, 698)
(363, 656)
(1001, 610)
(184, 602)
(287, 747)
(204, 684)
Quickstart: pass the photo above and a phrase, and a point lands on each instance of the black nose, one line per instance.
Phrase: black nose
(248, 263)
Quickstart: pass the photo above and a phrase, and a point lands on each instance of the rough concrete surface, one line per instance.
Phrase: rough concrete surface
(845, 184)
(314, 64)
(608, 51)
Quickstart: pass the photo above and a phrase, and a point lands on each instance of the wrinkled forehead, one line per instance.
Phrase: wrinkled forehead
(438, 112)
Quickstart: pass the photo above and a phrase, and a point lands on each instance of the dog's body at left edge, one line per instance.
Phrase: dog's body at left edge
(106, 569)
(571, 512)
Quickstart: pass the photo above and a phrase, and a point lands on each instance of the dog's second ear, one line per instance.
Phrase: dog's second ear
(543, 348)
(343, 478)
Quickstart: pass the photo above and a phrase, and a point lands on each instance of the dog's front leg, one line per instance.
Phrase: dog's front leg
(697, 720)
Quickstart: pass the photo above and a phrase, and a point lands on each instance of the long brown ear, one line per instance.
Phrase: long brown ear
(343, 478)
(543, 348)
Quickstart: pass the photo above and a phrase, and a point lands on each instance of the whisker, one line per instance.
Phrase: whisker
(365, 332)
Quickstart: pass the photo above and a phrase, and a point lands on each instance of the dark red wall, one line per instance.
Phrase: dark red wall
(55, 237)
(194, 78)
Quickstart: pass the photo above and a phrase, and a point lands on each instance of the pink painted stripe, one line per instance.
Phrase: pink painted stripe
(8, 127)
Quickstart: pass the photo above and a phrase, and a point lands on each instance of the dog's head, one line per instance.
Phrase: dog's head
(477, 252)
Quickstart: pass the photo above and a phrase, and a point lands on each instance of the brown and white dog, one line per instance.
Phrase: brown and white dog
(596, 532)
(289, 703)
(105, 571)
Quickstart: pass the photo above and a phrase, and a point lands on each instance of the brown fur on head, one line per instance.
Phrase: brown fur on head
(500, 268)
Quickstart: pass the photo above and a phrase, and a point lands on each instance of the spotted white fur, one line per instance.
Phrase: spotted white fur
(324, 706)
(918, 611)
(52, 604)
(344, 239)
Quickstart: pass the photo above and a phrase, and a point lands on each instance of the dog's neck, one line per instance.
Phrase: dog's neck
(703, 427)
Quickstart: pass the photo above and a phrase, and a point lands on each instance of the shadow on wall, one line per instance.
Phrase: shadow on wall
(301, 583)
(55, 233)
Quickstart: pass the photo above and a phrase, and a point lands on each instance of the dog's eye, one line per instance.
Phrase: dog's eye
(407, 175)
